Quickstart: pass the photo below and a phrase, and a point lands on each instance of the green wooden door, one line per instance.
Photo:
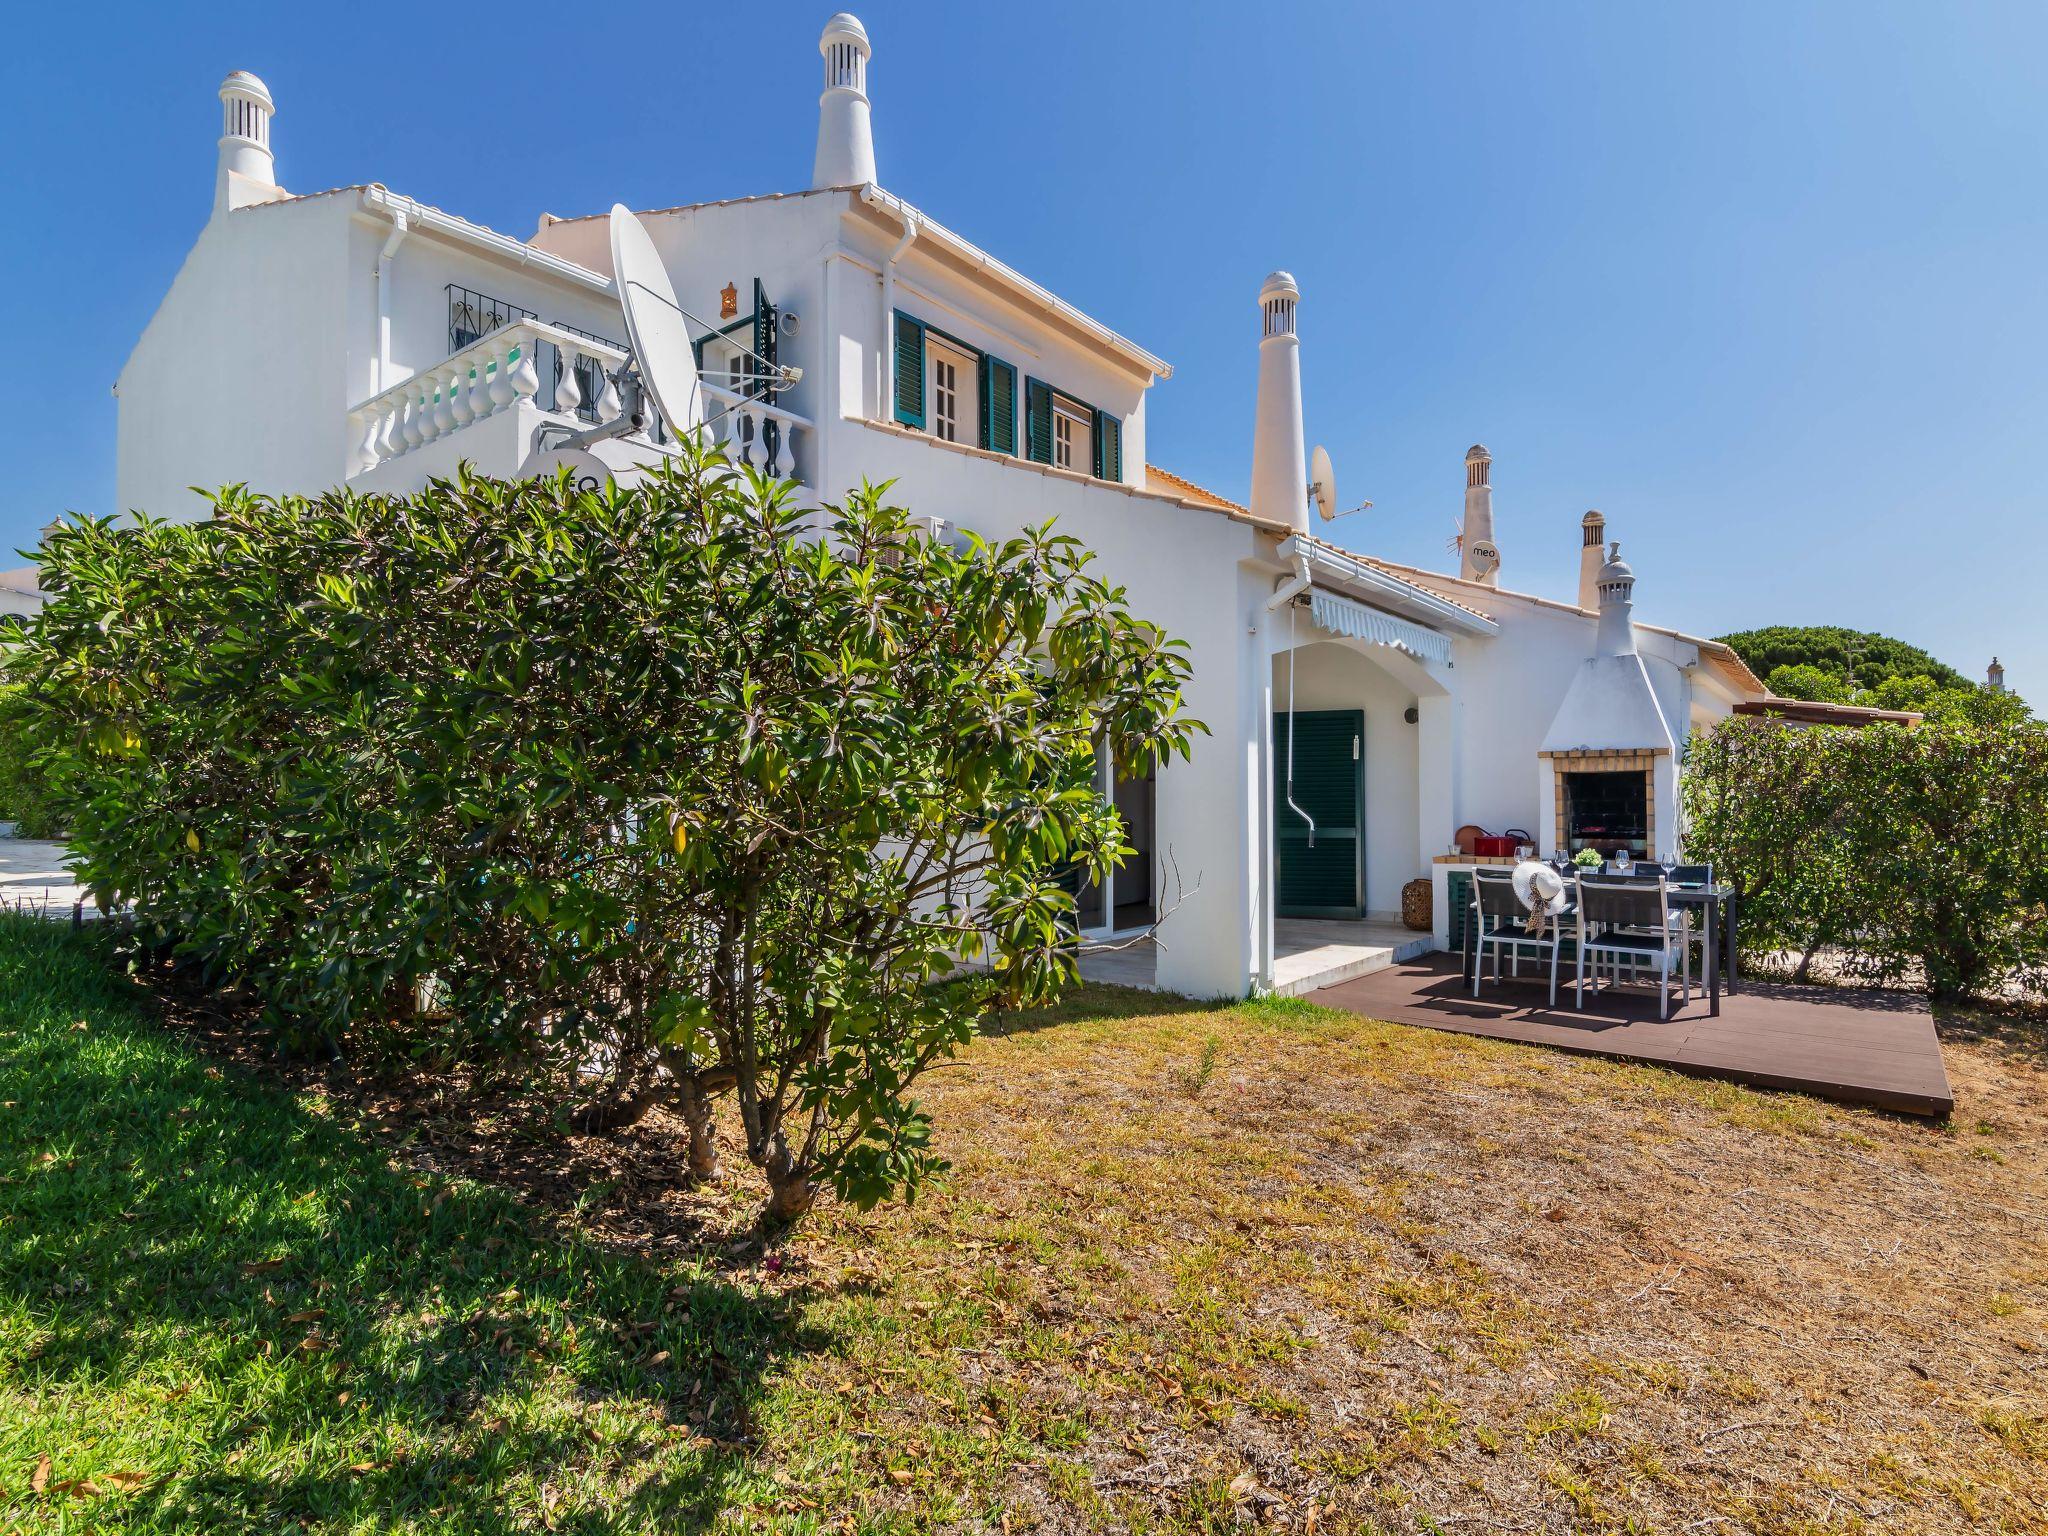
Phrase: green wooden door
(1326, 878)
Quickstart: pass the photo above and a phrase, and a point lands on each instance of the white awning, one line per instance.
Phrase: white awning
(1342, 616)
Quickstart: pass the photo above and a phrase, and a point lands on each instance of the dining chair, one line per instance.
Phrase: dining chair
(1499, 920)
(1629, 921)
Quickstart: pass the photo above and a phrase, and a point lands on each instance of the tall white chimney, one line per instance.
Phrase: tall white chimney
(1592, 537)
(1994, 676)
(248, 171)
(1617, 592)
(846, 135)
(1479, 556)
(1279, 449)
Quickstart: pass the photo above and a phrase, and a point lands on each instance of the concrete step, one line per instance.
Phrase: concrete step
(1325, 965)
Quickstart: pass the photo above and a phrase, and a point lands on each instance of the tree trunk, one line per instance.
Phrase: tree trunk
(790, 1199)
(791, 1190)
(615, 1113)
(694, 1101)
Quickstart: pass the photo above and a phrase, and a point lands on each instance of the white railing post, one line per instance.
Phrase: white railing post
(525, 375)
(568, 392)
(457, 391)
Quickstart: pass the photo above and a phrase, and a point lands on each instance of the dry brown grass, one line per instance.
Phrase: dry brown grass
(1362, 1276)
(1201, 1268)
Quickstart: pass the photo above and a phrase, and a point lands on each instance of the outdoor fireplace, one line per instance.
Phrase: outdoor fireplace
(1606, 801)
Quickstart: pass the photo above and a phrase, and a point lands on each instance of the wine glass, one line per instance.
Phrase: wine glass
(1668, 862)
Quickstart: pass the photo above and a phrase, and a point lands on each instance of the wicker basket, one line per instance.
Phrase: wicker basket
(1416, 907)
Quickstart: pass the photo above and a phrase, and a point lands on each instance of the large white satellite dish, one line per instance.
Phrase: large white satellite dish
(587, 472)
(654, 323)
(1323, 482)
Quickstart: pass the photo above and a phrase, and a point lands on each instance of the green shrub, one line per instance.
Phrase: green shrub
(1904, 851)
(649, 793)
(25, 797)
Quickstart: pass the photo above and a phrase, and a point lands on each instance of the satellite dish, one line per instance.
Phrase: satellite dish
(654, 323)
(587, 472)
(1485, 558)
(1323, 482)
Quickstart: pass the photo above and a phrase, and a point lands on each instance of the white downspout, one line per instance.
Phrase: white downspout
(887, 404)
(828, 410)
(401, 223)
(1289, 589)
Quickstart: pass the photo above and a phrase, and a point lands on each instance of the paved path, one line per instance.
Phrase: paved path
(33, 877)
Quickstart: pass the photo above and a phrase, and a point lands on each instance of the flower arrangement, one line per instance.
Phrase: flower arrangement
(1588, 858)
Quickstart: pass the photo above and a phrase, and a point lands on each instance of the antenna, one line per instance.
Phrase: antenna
(1322, 487)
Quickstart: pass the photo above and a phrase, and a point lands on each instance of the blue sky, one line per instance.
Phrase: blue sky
(1765, 283)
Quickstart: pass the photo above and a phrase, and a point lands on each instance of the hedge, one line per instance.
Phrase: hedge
(1902, 852)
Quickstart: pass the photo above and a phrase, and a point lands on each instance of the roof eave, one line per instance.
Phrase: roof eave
(1015, 282)
(383, 200)
(1376, 584)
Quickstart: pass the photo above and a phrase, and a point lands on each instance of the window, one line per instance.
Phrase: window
(1071, 434)
(946, 388)
(950, 411)
(1070, 444)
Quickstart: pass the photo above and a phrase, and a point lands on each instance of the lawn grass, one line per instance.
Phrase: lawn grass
(1199, 1268)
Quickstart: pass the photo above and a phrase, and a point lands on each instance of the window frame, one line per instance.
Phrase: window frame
(966, 391)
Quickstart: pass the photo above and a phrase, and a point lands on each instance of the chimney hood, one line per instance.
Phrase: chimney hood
(1611, 705)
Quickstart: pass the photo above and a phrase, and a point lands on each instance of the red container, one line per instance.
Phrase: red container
(1493, 847)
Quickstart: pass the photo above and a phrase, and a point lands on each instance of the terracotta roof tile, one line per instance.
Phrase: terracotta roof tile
(1188, 490)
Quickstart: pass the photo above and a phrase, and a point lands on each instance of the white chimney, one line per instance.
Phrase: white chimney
(1610, 704)
(1479, 555)
(1617, 591)
(1279, 449)
(1592, 539)
(846, 136)
(1994, 676)
(248, 171)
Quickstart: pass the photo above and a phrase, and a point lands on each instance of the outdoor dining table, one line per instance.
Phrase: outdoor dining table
(1719, 906)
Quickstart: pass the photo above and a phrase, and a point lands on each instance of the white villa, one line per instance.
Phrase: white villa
(357, 336)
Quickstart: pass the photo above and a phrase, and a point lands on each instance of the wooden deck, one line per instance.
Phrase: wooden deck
(1856, 1046)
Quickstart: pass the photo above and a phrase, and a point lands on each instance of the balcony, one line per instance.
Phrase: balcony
(487, 401)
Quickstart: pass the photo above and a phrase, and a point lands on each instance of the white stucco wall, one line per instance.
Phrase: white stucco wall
(270, 334)
(1508, 691)
(1204, 595)
(243, 373)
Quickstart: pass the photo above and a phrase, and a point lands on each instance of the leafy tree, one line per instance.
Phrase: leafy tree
(1803, 680)
(1844, 666)
(1859, 658)
(655, 794)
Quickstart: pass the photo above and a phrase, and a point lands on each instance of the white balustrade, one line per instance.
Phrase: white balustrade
(501, 372)
(752, 431)
(494, 374)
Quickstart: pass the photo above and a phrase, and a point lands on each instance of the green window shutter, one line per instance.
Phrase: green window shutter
(1037, 421)
(1109, 446)
(998, 405)
(909, 371)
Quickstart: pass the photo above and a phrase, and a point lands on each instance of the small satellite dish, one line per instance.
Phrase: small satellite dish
(1485, 558)
(654, 323)
(587, 472)
(1323, 482)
